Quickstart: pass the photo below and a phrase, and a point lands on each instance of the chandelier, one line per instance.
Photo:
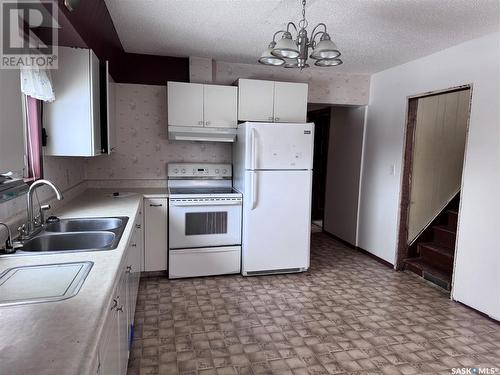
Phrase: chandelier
(291, 53)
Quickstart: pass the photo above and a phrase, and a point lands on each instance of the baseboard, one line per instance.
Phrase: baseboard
(484, 315)
(361, 250)
(336, 238)
(378, 259)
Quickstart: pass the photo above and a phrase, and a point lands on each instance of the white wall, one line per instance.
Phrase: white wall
(477, 262)
(343, 172)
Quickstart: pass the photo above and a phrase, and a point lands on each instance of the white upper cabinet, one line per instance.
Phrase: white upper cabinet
(185, 104)
(220, 106)
(199, 105)
(290, 102)
(255, 100)
(270, 101)
(11, 122)
(72, 121)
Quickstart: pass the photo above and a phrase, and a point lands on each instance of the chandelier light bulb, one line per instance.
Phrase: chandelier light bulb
(293, 53)
(286, 47)
(267, 58)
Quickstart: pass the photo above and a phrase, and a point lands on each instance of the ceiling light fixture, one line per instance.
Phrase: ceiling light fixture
(291, 53)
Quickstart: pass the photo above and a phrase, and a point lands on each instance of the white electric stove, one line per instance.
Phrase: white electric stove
(204, 220)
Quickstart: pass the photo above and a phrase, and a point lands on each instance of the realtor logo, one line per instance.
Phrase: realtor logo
(29, 34)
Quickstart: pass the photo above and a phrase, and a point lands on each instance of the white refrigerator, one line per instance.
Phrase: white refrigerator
(272, 168)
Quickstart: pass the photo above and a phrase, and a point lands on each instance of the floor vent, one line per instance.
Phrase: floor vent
(274, 272)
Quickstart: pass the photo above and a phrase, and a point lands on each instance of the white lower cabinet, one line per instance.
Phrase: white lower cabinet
(113, 347)
(116, 339)
(109, 347)
(133, 273)
(155, 234)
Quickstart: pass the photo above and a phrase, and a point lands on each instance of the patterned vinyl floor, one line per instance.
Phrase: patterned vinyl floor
(347, 315)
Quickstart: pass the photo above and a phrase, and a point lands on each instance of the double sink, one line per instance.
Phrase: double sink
(74, 235)
(59, 281)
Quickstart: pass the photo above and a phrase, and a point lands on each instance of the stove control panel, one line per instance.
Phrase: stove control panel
(199, 170)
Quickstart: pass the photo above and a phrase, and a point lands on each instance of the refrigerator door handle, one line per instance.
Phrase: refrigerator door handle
(254, 189)
(253, 143)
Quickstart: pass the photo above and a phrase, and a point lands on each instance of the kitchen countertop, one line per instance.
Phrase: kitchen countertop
(63, 337)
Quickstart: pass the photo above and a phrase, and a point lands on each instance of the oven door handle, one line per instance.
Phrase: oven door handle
(209, 203)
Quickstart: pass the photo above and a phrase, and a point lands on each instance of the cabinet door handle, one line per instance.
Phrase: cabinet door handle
(155, 205)
(115, 304)
(207, 123)
(200, 122)
(129, 269)
(120, 309)
(270, 118)
(138, 226)
(134, 245)
(276, 119)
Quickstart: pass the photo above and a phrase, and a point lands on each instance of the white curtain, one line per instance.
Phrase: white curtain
(37, 83)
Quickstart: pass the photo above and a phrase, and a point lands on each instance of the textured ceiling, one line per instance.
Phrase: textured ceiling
(371, 34)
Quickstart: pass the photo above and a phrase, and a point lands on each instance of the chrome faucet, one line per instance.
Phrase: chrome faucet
(32, 226)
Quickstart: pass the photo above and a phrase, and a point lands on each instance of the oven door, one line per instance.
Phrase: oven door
(197, 224)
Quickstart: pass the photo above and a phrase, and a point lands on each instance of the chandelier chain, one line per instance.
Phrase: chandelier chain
(303, 22)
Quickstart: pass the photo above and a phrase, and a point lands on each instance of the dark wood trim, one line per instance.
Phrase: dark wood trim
(91, 26)
(344, 242)
(440, 92)
(402, 249)
(411, 121)
(373, 256)
(361, 250)
(149, 69)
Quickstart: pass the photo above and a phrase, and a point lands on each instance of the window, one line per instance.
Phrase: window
(206, 223)
(33, 158)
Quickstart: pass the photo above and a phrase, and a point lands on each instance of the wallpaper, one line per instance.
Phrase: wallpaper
(67, 173)
(143, 149)
(325, 86)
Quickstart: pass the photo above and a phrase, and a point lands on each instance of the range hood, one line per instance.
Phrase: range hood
(197, 133)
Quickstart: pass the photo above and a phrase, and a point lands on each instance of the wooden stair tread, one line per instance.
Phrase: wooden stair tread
(445, 228)
(429, 272)
(444, 251)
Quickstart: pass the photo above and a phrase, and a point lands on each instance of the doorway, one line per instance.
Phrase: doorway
(321, 119)
(437, 126)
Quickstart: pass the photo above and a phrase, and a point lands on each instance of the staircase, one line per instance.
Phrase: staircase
(435, 251)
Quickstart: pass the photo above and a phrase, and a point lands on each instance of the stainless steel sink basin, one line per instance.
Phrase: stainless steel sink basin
(75, 235)
(85, 224)
(55, 242)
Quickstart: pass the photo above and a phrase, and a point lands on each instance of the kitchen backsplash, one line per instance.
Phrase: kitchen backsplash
(143, 149)
(66, 172)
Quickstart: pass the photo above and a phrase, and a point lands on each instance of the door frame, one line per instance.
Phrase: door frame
(319, 111)
(402, 248)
